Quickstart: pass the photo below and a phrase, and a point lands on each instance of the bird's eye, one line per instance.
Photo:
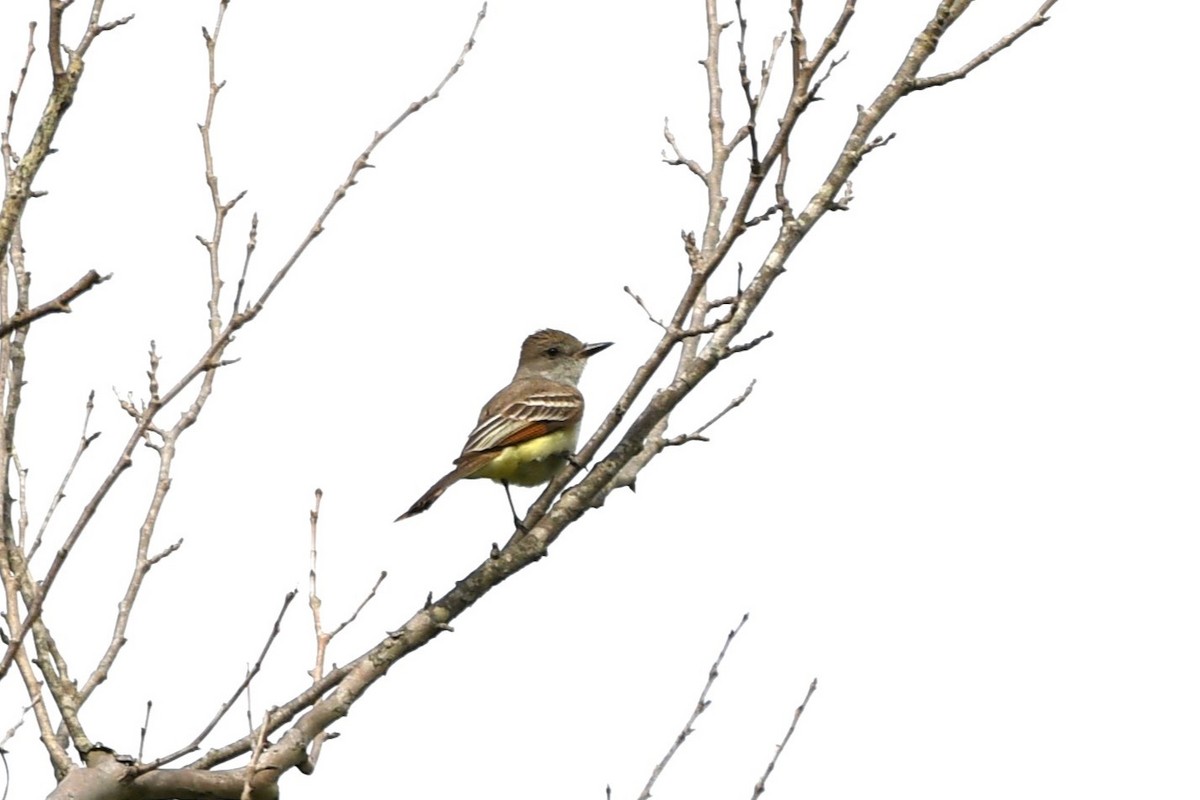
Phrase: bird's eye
(552, 351)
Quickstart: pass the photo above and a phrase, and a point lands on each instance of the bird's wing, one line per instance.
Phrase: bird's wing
(544, 409)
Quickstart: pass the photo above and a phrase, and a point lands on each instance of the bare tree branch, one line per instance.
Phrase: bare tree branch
(251, 244)
(701, 705)
(680, 159)
(144, 729)
(698, 434)
(59, 305)
(85, 441)
(761, 785)
(211, 357)
(194, 744)
(323, 637)
(1039, 18)
(641, 304)
(5, 137)
(66, 82)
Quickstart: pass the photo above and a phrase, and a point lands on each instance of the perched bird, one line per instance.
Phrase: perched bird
(529, 428)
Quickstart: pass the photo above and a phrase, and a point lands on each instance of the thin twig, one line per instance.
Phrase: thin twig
(842, 202)
(59, 305)
(642, 305)
(733, 349)
(323, 637)
(95, 28)
(210, 359)
(370, 595)
(361, 163)
(813, 92)
(314, 600)
(761, 785)
(701, 705)
(192, 746)
(763, 217)
(145, 728)
(85, 441)
(1039, 18)
(166, 551)
(698, 434)
(22, 500)
(680, 159)
(251, 243)
(877, 142)
(11, 732)
(252, 767)
(13, 96)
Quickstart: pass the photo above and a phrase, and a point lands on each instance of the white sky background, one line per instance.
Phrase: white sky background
(962, 494)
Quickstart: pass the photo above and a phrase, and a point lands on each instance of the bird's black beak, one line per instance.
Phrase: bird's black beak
(590, 350)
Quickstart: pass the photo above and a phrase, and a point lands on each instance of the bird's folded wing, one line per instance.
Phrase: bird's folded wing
(535, 414)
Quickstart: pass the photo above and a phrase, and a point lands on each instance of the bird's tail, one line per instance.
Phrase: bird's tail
(466, 467)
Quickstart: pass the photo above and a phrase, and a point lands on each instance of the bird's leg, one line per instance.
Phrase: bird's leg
(516, 519)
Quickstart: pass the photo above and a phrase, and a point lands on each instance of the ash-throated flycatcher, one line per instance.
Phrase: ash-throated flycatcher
(529, 428)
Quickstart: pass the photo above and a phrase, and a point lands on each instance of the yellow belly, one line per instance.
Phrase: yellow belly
(533, 462)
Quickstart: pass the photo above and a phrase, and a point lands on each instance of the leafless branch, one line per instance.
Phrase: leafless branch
(95, 27)
(166, 551)
(637, 299)
(814, 91)
(843, 201)
(1039, 18)
(251, 244)
(58, 754)
(145, 728)
(252, 767)
(22, 499)
(220, 209)
(358, 610)
(763, 217)
(761, 785)
(59, 305)
(753, 99)
(211, 357)
(5, 137)
(741, 348)
(698, 434)
(831, 39)
(323, 637)
(878, 141)
(781, 199)
(701, 705)
(85, 441)
(11, 732)
(194, 744)
(680, 159)
(361, 163)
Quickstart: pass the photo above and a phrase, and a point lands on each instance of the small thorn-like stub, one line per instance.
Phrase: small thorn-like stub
(495, 551)
(429, 601)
